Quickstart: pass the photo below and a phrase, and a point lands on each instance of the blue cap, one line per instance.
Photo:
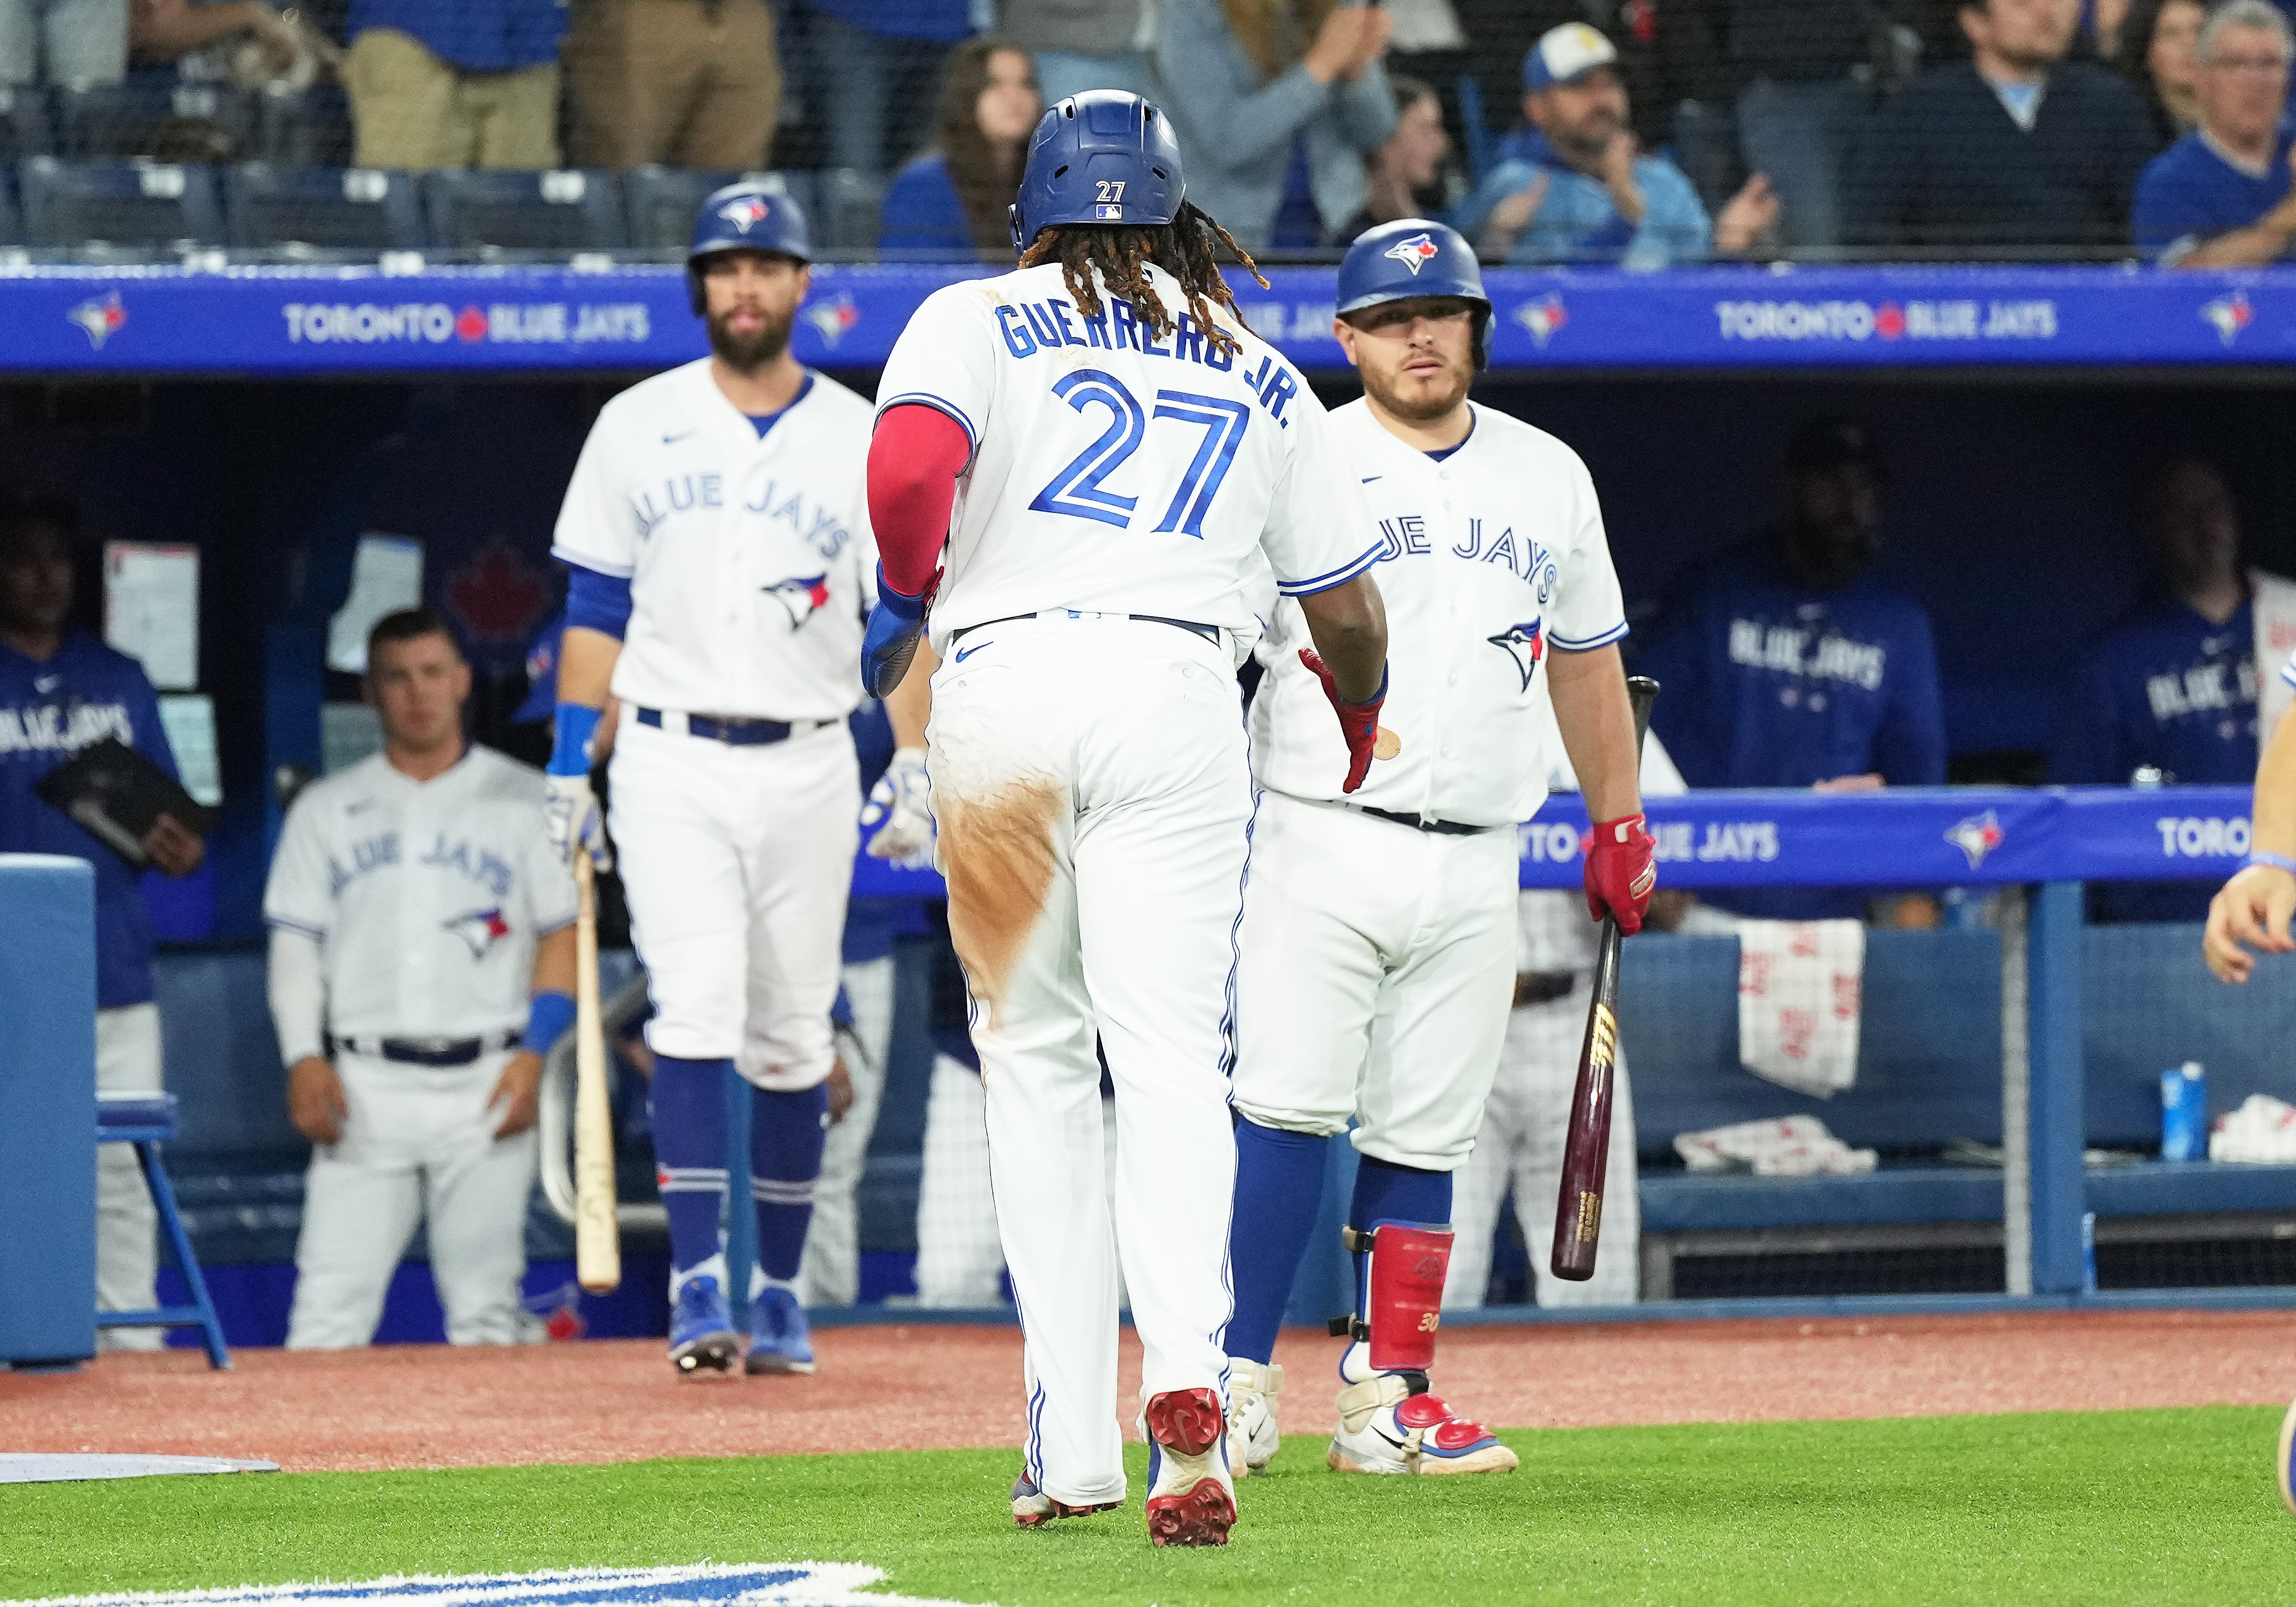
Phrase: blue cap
(1101, 156)
(542, 673)
(1415, 256)
(751, 216)
(1564, 54)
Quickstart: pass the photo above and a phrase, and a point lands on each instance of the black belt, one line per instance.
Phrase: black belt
(428, 1051)
(737, 733)
(1211, 634)
(1544, 987)
(1441, 829)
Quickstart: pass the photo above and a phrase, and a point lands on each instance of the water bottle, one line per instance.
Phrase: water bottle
(2185, 1112)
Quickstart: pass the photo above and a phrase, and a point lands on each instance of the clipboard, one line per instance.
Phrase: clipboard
(115, 794)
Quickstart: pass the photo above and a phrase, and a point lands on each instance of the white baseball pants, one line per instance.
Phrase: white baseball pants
(1520, 1147)
(419, 1146)
(831, 1273)
(1094, 793)
(736, 863)
(1378, 961)
(127, 1061)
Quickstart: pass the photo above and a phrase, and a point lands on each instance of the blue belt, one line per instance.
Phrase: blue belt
(738, 732)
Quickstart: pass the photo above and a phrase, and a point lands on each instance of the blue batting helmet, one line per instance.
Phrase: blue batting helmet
(1415, 257)
(1101, 156)
(751, 216)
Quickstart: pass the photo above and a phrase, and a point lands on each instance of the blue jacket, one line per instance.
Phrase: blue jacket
(478, 35)
(2165, 689)
(2189, 193)
(1578, 222)
(944, 20)
(1236, 130)
(49, 711)
(923, 213)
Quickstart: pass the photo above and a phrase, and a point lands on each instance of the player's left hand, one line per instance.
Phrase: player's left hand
(570, 811)
(891, 641)
(174, 847)
(517, 1094)
(1358, 721)
(2252, 909)
(898, 817)
(1620, 871)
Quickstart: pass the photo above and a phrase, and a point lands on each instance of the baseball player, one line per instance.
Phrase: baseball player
(1528, 1115)
(421, 965)
(721, 565)
(1378, 936)
(1112, 461)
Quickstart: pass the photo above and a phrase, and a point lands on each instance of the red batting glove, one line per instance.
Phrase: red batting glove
(1620, 872)
(1358, 721)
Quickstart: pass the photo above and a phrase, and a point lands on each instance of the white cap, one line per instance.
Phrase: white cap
(1563, 54)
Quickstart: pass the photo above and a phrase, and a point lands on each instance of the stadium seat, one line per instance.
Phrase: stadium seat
(852, 205)
(153, 116)
(23, 124)
(118, 204)
(302, 127)
(12, 220)
(568, 210)
(333, 207)
(662, 200)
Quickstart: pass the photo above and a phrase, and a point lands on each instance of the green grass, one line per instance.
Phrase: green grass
(2151, 1506)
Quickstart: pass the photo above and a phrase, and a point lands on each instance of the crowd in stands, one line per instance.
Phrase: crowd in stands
(1651, 132)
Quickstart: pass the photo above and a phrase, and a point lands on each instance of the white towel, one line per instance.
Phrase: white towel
(1801, 999)
(1789, 1147)
(2261, 1132)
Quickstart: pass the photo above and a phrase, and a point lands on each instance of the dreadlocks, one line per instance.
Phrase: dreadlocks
(1184, 248)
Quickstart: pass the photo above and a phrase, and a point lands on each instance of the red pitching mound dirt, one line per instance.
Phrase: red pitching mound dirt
(896, 1387)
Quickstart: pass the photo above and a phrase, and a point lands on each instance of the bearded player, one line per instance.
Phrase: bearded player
(1378, 942)
(721, 564)
(1086, 468)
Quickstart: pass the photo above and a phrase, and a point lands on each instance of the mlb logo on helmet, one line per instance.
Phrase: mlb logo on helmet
(745, 212)
(1414, 253)
(1107, 214)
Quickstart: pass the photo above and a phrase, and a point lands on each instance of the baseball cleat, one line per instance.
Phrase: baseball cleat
(1252, 1439)
(780, 1342)
(701, 1330)
(1190, 1496)
(1033, 1509)
(2285, 1467)
(1390, 1424)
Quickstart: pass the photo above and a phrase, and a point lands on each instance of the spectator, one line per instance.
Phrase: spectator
(61, 691)
(951, 201)
(168, 30)
(1409, 167)
(2015, 151)
(1581, 192)
(2219, 198)
(1808, 67)
(1785, 665)
(689, 83)
(1277, 103)
(415, 996)
(2172, 688)
(469, 85)
(869, 64)
(1080, 44)
(2158, 52)
(74, 41)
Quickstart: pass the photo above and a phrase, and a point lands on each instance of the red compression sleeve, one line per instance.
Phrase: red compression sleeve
(914, 458)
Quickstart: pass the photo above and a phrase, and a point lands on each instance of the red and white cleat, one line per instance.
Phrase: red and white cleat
(1387, 1426)
(1191, 1496)
(1033, 1509)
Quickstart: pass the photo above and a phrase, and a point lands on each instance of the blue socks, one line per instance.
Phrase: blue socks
(1387, 1192)
(786, 1135)
(1279, 1189)
(689, 1146)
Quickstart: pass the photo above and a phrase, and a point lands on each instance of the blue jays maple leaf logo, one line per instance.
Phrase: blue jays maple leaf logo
(803, 595)
(746, 213)
(1414, 253)
(1977, 836)
(482, 929)
(1526, 644)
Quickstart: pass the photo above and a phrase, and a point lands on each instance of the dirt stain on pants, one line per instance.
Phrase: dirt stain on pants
(998, 851)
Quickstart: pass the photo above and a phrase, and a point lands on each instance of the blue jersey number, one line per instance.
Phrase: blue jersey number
(1078, 490)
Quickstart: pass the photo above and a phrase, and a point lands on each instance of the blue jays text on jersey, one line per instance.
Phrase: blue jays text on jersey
(484, 867)
(49, 711)
(818, 525)
(2170, 689)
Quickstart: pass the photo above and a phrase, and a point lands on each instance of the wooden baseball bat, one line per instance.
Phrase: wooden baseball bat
(1586, 1141)
(597, 1241)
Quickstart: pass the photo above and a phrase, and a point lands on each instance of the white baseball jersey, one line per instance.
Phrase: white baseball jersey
(427, 897)
(750, 561)
(1113, 472)
(1486, 559)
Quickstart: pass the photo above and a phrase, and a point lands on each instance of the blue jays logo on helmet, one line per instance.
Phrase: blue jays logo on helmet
(803, 595)
(1415, 258)
(1101, 156)
(751, 216)
(1526, 644)
(1414, 253)
(745, 211)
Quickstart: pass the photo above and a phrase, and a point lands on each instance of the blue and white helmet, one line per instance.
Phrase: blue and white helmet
(1411, 258)
(1101, 156)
